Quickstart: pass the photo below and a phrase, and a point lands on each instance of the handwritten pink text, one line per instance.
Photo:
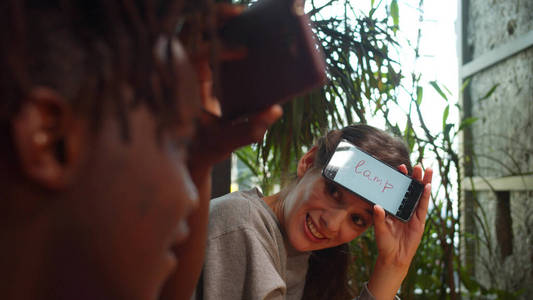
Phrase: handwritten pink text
(367, 173)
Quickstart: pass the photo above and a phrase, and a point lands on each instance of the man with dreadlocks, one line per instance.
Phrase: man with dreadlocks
(100, 160)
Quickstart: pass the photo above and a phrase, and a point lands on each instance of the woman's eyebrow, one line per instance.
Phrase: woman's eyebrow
(370, 211)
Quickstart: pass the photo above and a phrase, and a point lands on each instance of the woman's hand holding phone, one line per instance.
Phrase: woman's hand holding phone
(397, 241)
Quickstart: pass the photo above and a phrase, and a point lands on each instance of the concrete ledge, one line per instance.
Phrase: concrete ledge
(511, 183)
(495, 56)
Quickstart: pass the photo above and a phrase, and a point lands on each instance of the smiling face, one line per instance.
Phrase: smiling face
(317, 214)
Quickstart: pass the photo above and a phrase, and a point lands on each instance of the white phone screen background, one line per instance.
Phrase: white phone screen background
(368, 177)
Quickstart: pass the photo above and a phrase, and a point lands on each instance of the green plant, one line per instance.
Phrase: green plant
(362, 80)
(365, 83)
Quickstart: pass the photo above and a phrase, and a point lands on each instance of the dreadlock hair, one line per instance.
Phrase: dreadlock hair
(98, 54)
(327, 276)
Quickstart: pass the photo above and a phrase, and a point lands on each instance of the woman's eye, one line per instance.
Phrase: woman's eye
(357, 220)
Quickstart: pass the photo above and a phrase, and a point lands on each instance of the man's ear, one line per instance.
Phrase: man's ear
(306, 162)
(42, 138)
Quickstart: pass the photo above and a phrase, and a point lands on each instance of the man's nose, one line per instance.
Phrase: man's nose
(332, 220)
(191, 192)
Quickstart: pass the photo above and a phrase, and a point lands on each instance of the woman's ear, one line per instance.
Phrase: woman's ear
(306, 162)
(43, 140)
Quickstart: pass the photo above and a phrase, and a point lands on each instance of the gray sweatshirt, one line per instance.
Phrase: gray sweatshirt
(247, 256)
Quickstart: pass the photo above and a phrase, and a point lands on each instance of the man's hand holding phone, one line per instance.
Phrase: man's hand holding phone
(214, 140)
(238, 54)
(250, 59)
(207, 53)
(216, 137)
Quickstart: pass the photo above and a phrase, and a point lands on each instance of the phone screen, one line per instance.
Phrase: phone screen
(373, 180)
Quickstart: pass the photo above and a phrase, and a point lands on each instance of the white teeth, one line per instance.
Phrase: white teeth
(312, 228)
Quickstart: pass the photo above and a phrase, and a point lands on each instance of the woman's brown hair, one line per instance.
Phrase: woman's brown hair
(328, 268)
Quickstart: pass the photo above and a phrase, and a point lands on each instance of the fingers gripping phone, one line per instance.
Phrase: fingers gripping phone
(283, 58)
(373, 180)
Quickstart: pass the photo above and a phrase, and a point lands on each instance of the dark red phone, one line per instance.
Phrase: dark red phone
(283, 58)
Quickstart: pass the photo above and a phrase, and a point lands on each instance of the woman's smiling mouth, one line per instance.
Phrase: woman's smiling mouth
(312, 229)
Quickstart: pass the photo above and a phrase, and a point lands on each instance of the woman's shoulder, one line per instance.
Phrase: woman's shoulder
(241, 211)
(236, 205)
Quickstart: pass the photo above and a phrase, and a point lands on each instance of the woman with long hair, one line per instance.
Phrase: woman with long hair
(293, 244)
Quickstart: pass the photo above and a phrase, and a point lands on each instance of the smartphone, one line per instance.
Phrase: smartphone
(373, 180)
(283, 58)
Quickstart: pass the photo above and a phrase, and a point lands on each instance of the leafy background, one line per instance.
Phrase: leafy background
(365, 83)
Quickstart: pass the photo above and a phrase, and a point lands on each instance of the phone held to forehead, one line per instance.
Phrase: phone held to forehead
(283, 58)
(373, 180)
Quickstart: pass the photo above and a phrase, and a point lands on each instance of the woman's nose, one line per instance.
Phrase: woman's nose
(332, 220)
